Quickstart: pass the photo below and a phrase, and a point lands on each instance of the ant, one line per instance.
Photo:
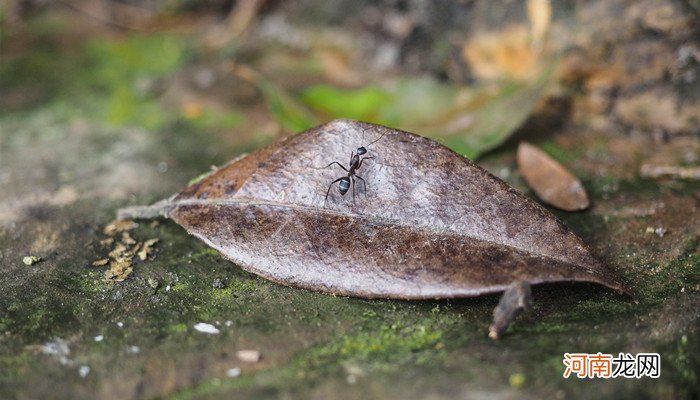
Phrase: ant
(355, 163)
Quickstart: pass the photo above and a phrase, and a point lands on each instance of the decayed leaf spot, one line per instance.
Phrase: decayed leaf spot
(431, 224)
(552, 182)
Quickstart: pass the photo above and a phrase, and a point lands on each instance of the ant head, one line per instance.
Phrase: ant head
(361, 151)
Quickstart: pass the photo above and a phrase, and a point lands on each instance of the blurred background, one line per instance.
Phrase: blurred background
(110, 103)
(231, 76)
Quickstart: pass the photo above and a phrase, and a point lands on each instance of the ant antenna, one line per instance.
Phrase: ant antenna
(375, 140)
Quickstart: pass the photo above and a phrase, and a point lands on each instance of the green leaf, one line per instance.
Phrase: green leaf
(471, 120)
(361, 104)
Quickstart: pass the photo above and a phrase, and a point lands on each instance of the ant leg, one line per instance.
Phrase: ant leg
(339, 164)
(352, 154)
(361, 159)
(364, 184)
(329, 190)
(352, 178)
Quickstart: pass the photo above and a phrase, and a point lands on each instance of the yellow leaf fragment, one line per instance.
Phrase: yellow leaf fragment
(100, 262)
(119, 270)
(147, 248)
(119, 226)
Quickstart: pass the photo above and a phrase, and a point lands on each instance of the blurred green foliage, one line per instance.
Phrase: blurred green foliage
(470, 120)
(292, 115)
(122, 81)
(118, 82)
(134, 57)
(363, 104)
(126, 71)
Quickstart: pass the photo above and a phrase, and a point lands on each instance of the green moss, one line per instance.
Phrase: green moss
(222, 294)
(178, 329)
(667, 280)
(12, 367)
(379, 347)
(683, 359)
(205, 252)
(386, 344)
(179, 287)
(241, 286)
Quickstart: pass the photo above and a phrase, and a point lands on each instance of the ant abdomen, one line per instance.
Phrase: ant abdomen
(344, 185)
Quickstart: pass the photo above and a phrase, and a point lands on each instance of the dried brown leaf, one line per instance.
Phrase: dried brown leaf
(132, 251)
(118, 251)
(147, 248)
(552, 182)
(119, 226)
(127, 239)
(119, 270)
(431, 223)
(100, 262)
(506, 53)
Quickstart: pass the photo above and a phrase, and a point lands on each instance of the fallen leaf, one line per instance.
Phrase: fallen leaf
(430, 224)
(552, 182)
(470, 120)
(363, 103)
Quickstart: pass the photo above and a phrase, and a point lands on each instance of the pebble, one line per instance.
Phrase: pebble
(83, 371)
(206, 328)
(218, 284)
(249, 356)
(31, 260)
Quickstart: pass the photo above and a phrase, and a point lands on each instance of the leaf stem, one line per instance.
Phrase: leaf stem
(156, 210)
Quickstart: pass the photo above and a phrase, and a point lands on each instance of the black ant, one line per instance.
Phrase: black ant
(349, 180)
